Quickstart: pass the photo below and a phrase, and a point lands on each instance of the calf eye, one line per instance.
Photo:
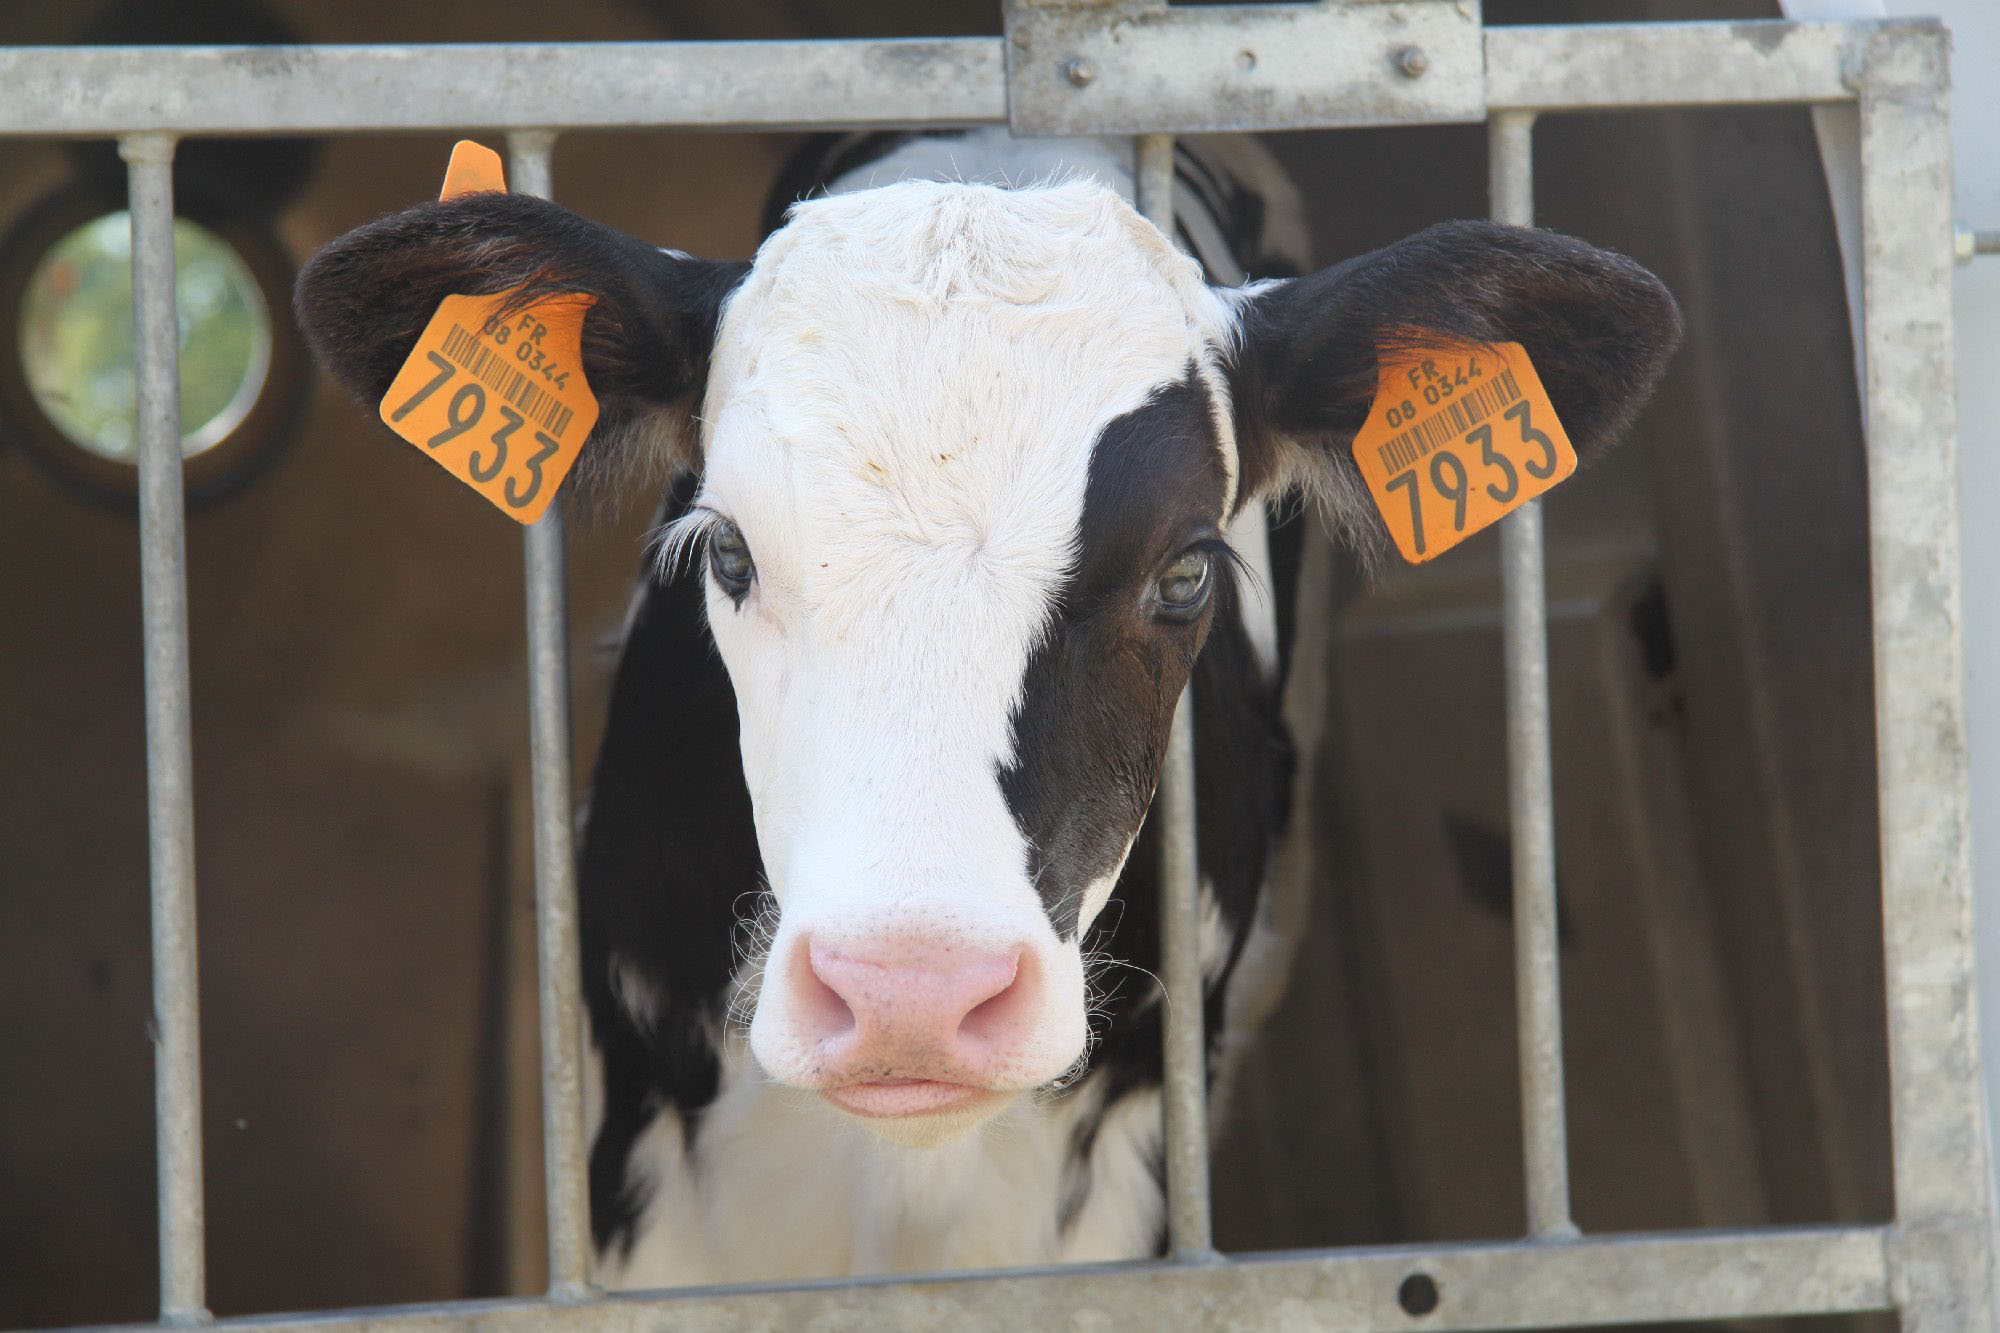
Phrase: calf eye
(729, 559)
(1182, 588)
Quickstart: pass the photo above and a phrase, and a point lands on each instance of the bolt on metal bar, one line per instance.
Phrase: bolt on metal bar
(149, 162)
(1941, 1252)
(1968, 243)
(1185, 1093)
(1530, 780)
(553, 793)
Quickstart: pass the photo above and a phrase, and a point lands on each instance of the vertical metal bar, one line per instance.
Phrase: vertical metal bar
(1185, 1094)
(1530, 781)
(1942, 1250)
(528, 154)
(1153, 166)
(169, 743)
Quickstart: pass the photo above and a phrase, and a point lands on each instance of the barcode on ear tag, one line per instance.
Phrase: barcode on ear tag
(1459, 437)
(499, 400)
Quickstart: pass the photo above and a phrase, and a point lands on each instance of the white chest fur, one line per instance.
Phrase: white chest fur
(780, 1186)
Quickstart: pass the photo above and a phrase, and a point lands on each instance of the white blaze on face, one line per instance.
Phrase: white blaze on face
(900, 416)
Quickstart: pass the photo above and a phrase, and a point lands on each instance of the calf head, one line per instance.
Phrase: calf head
(966, 460)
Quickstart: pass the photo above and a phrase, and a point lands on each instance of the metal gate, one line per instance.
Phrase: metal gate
(1144, 68)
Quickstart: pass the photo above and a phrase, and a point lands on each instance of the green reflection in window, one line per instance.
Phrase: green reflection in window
(76, 336)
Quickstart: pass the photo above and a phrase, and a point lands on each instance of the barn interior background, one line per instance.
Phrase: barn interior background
(368, 1038)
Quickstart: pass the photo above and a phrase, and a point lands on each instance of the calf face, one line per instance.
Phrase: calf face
(966, 458)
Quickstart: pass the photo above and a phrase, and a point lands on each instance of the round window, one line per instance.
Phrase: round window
(76, 336)
(66, 385)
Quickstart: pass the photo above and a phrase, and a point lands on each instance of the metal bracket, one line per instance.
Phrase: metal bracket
(1144, 66)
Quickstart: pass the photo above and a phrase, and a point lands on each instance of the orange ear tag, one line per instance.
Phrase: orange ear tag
(500, 403)
(473, 167)
(1459, 437)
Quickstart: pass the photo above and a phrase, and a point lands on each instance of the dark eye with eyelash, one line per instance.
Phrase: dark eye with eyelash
(729, 562)
(1182, 589)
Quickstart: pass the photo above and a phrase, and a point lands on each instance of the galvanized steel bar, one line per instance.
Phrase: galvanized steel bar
(1184, 1096)
(169, 741)
(1531, 781)
(554, 800)
(556, 85)
(1510, 167)
(1601, 1280)
(1153, 168)
(530, 162)
(1941, 1253)
(1588, 66)
(824, 84)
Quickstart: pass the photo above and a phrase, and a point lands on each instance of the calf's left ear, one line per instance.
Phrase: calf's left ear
(1598, 327)
(364, 298)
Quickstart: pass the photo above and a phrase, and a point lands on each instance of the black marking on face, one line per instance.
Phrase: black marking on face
(669, 847)
(1098, 694)
(1243, 772)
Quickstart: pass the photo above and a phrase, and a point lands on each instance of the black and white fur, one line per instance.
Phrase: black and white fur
(963, 431)
(1077, 1177)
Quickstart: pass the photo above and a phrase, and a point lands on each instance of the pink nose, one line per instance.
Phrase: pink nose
(913, 1009)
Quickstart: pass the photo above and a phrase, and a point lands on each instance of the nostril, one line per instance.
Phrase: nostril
(999, 1010)
(820, 1002)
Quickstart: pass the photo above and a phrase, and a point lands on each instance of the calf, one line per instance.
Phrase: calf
(959, 478)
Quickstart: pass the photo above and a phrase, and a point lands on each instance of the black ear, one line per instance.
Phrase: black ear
(364, 298)
(1598, 327)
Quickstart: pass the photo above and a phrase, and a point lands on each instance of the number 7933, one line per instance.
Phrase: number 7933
(465, 410)
(1473, 482)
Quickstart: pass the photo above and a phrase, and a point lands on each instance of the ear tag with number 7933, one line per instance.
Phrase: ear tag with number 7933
(498, 398)
(1459, 437)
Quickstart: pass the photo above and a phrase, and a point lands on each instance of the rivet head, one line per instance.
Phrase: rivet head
(1418, 1295)
(1079, 71)
(1411, 61)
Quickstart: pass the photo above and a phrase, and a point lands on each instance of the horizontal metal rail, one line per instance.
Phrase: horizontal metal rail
(1604, 1280)
(1593, 67)
(575, 85)
(108, 90)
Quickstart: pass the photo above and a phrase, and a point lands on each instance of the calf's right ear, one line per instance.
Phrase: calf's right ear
(365, 297)
(1598, 327)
